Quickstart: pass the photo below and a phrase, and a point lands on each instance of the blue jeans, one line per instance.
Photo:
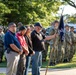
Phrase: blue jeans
(36, 63)
(28, 60)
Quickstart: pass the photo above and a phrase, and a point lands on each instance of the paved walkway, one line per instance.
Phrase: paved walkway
(51, 71)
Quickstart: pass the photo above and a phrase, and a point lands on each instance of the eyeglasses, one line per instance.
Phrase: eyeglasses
(13, 26)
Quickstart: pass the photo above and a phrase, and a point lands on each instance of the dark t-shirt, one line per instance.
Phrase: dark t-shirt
(10, 38)
(37, 41)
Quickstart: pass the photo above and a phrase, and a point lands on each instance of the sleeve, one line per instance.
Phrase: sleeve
(19, 39)
(43, 35)
(32, 36)
(9, 39)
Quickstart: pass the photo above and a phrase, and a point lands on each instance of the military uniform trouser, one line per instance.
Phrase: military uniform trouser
(72, 52)
(52, 54)
(12, 62)
(1, 54)
(21, 65)
(61, 53)
(67, 53)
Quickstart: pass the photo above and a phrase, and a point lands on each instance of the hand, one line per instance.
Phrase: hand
(54, 36)
(26, 52)
(20, 52)
(33, 53)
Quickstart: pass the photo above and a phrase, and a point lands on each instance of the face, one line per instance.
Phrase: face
(28, 30)
(56, 25)
(0, 30)
(13, 28)
(23, 32)
(72, 29)
(67, 28)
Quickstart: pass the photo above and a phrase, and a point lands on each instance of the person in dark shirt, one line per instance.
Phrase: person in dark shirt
(12, 49)
(38, 47)
(30, 48)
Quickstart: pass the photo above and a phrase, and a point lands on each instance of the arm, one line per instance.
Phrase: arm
(23, 44)
(15, 48)
(50, 37)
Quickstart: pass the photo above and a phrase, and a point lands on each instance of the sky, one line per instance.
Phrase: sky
(67, 10)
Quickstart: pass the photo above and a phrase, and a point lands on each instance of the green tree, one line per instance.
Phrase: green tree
(31, 11)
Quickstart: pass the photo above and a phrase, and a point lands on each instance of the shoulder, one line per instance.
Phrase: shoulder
(33, 33)
(7, 34)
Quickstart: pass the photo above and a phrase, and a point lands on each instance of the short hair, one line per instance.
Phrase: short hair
(10, 24)
(20, 23)
(56, 21)
(22, 28)
(71, 27)
(31, 25)
(66, 25)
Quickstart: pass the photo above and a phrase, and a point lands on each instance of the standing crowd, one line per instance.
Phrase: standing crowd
(29, 44)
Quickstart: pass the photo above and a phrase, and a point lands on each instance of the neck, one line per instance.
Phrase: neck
(11, 31)
(37, 31)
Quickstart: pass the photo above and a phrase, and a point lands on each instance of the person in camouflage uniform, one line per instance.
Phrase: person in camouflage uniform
(44, 53)
(68, 44)
(1, 44)
(72, 51)
(74, 42)
(61, 51)
(53, 43)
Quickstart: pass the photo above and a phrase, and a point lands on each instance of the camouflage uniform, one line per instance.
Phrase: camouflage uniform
(45, 52)
(75, 42)
(67, 45)
(72, 50)
(61, 51)
(1, 46)
(53, 45)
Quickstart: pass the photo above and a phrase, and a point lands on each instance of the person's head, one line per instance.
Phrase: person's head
(66, 27)
(22, 30)
(19, 24)
(12, 27)
(32, 27)
(72, 28)
(28, 32)
(38, 27)
(1, 29)
(56, 24)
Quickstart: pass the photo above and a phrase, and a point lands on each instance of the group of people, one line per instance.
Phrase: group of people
(22, 45)
(60, 52)
(29, 44)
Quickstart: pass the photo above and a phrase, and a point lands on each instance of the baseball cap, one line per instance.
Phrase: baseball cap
(38, 24)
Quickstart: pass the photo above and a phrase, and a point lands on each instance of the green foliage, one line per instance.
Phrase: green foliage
(30, 11)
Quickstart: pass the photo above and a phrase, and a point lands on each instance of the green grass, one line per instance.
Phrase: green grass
(71, 64)
(2, 74)
(3, 64)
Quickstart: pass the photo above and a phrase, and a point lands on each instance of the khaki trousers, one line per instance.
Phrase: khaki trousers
(12, 62)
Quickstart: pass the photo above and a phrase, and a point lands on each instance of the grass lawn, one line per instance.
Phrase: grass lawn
(71, 64)
(2, 74)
